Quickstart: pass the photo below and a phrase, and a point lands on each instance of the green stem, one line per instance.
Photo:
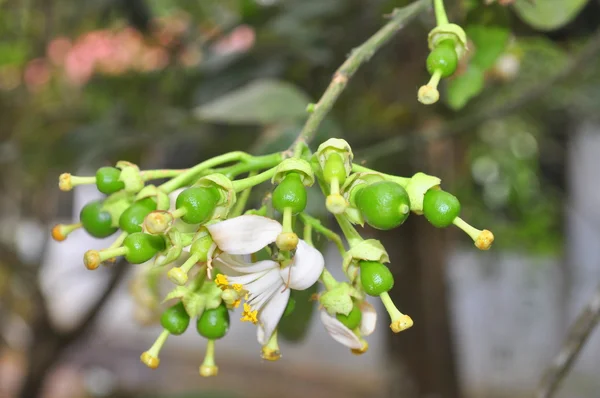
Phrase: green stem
(255, 164)
(240, 205)
(244, 183)
(326, 232)
(184, 177)
(307, 233)
(399, 18)
(158, 174)
(403, 181)
(440, 13)
(352, 236)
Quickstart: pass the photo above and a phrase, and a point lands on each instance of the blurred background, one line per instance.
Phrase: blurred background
(168, 83)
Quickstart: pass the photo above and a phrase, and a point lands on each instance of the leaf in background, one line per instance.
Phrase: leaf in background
(294, 327)
(490, 42)
(548, 14)
(260, 102)
(466, 86)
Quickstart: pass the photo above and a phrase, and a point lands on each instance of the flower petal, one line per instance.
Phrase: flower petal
(306, 268)
(244, 234)
(369, 318)
(237, 264)
(339, 332)
(271, 314)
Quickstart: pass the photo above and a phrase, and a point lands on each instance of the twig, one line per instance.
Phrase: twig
(458, 126)
(578, 334)
(359, 55)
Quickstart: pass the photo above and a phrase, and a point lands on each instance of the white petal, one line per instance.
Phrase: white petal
(237, 264)
(271, 314)
(369, 318)
(339, 332)
(244, 234)
(306, 268)
(246, 279)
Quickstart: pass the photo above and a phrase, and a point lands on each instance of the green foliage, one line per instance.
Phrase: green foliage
(548, 14)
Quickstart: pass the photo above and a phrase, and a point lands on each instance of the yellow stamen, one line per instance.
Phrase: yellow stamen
(249, 315)
(221, 281)
(236, 303)
(237, 287)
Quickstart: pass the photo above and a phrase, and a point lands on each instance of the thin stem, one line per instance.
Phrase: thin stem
(257, 163)
(403, 181)
(307, 233)
(579, 333)
(248, 182)
(468, 229)
(182, 178)
(352, 236)
(440, 13)
(399, 18)
(328, 279)
(326, 232)
(148, 175)
(158, 344)
(240, 205)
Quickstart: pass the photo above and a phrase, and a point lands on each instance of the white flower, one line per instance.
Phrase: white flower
(343, 335)
(267, 283)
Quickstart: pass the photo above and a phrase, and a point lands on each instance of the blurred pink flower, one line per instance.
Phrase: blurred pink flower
(79, 65)
(57, 50)
(241, 39)
(153, 58)
(36, 74)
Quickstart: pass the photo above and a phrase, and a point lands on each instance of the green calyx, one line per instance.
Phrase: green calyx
(290, 193)
(416, 188)
(213, 324)
(352, 320)
(130, 177)
(107, 180)
(175, 319)
(384, 205)
(133, 217)
(375, 278)
(440, 208)
(227, 194)
(197, 204)
(337, 146)
(96, 220)
(339, 299)
(297, 166)
(452, 32)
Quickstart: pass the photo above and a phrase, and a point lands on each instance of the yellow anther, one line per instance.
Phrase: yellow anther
(221, 281)
(249, 315)
(236, 303)
(237, 287)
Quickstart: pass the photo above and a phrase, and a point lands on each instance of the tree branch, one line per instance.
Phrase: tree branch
(359, 55)
(458, 126)
(578, 334)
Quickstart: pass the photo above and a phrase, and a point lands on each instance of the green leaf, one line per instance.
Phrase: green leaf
(260, 102)
(548, 14)
(490, 42)
(464, 87)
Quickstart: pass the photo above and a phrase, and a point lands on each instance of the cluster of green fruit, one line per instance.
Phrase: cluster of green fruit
(171, 223)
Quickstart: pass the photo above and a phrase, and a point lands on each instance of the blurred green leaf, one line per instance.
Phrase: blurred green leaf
(548, 14)
(260, 102)
(13, 53)
(490, 42)
(294, 328)
(464, 87)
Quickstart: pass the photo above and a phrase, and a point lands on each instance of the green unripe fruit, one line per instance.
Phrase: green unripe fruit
(202, 246)
(142, 247)
(334, 168)
(107, 180)
(214, 324)
(384, 205)
(375, 277)
(440, 208)
(96, 221)
(133, 217)
(290, 193)
(352, 320)
(443, 58)
(290, 307)
(199, 203)
(175, 319)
